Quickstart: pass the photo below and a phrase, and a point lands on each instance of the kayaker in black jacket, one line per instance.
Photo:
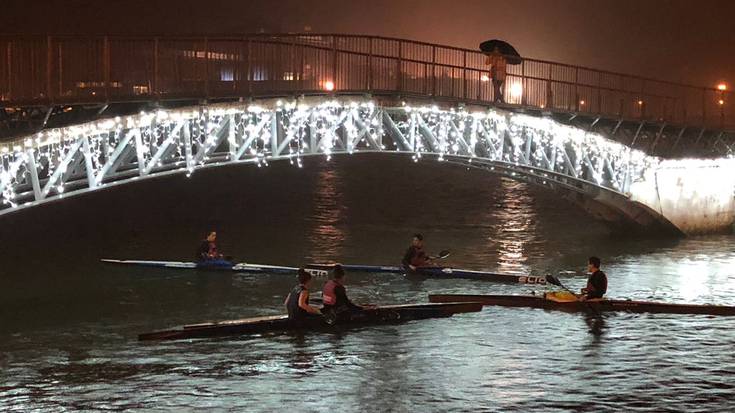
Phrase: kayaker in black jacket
(297, 301)
(415, 256)
(334, 294)
(596, 283)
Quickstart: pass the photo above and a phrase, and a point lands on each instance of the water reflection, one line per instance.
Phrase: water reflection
(327, 237)
(516, 227)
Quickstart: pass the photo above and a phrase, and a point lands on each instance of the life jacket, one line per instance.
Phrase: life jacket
(419, 257)
(294, 311)
(328, 295)
(212, 249)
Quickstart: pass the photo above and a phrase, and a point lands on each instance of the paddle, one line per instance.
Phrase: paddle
(552, 279)
(442, 254)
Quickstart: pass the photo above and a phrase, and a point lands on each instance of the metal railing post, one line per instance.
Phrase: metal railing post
(206, 67)
(61, 70)
(433, 70)
(106, 65)
(369, 79)
(10, 68)
(238, 78)
(549, 91)
(49, 58)
(399, 64)
(155, 91)
(599, 93)
(334, 62)
(464, 75)
(249, 67)
(524, 100)
(292, 65)
(576, 88)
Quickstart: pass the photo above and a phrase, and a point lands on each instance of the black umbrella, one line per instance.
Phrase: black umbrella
(511, 55)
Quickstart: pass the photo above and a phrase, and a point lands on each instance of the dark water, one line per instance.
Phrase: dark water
(68, 324)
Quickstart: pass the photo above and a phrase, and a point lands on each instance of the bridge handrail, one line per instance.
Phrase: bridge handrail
(32, 72)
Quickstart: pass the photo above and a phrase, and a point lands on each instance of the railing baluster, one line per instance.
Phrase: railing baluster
(399, 68)
(49, 66)
(106, 66)
(369, 80)
(433, 70)
(156, 86)
(377, 66)
(10, 69)
(206, 68)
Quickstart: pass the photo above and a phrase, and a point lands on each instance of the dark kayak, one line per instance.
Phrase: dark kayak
(604, 305)
(280, 323)
(323, 270)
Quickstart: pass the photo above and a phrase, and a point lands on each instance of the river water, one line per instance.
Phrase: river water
(68, 323)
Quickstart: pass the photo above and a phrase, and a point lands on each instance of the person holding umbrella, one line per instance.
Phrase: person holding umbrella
(499, 55)
(498, 64)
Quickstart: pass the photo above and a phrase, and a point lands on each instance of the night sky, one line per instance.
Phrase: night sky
(684, 41)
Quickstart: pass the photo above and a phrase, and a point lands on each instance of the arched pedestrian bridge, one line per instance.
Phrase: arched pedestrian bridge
(619, 184)
(92, 112)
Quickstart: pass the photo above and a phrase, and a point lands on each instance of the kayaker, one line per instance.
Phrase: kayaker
(334, 295)
(415, 256)
(596, 283)
(297, 301)
(208, 248)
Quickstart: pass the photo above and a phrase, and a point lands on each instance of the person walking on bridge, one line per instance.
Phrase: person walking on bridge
(498, 65)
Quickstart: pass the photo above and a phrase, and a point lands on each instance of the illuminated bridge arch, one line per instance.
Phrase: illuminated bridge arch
(59, 163)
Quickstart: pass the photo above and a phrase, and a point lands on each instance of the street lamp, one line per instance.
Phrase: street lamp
(722, 87)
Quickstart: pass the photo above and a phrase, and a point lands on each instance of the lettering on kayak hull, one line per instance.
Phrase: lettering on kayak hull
(530, 279)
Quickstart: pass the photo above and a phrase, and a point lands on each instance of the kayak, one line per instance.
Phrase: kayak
(280, 324)
(597, 306)
(323, 270)
(219, 265)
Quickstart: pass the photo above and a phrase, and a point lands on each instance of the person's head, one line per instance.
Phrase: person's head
(339, 273)
(593, 264)
(304, 277)
(212, 236)
(418, 240)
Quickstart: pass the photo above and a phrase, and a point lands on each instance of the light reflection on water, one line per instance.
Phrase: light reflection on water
(68, 324)
(516, 216)
(327, 237)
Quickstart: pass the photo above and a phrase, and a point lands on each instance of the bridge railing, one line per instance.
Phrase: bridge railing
(65, 70)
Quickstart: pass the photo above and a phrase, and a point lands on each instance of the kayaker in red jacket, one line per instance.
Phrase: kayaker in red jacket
(415, 256)
(334, 295)
(208, 248)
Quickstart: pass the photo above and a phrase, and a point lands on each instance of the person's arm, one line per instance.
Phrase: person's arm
(341, 293)
(203, 251)
(407, 259)
(285, 302)
(304, 303)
